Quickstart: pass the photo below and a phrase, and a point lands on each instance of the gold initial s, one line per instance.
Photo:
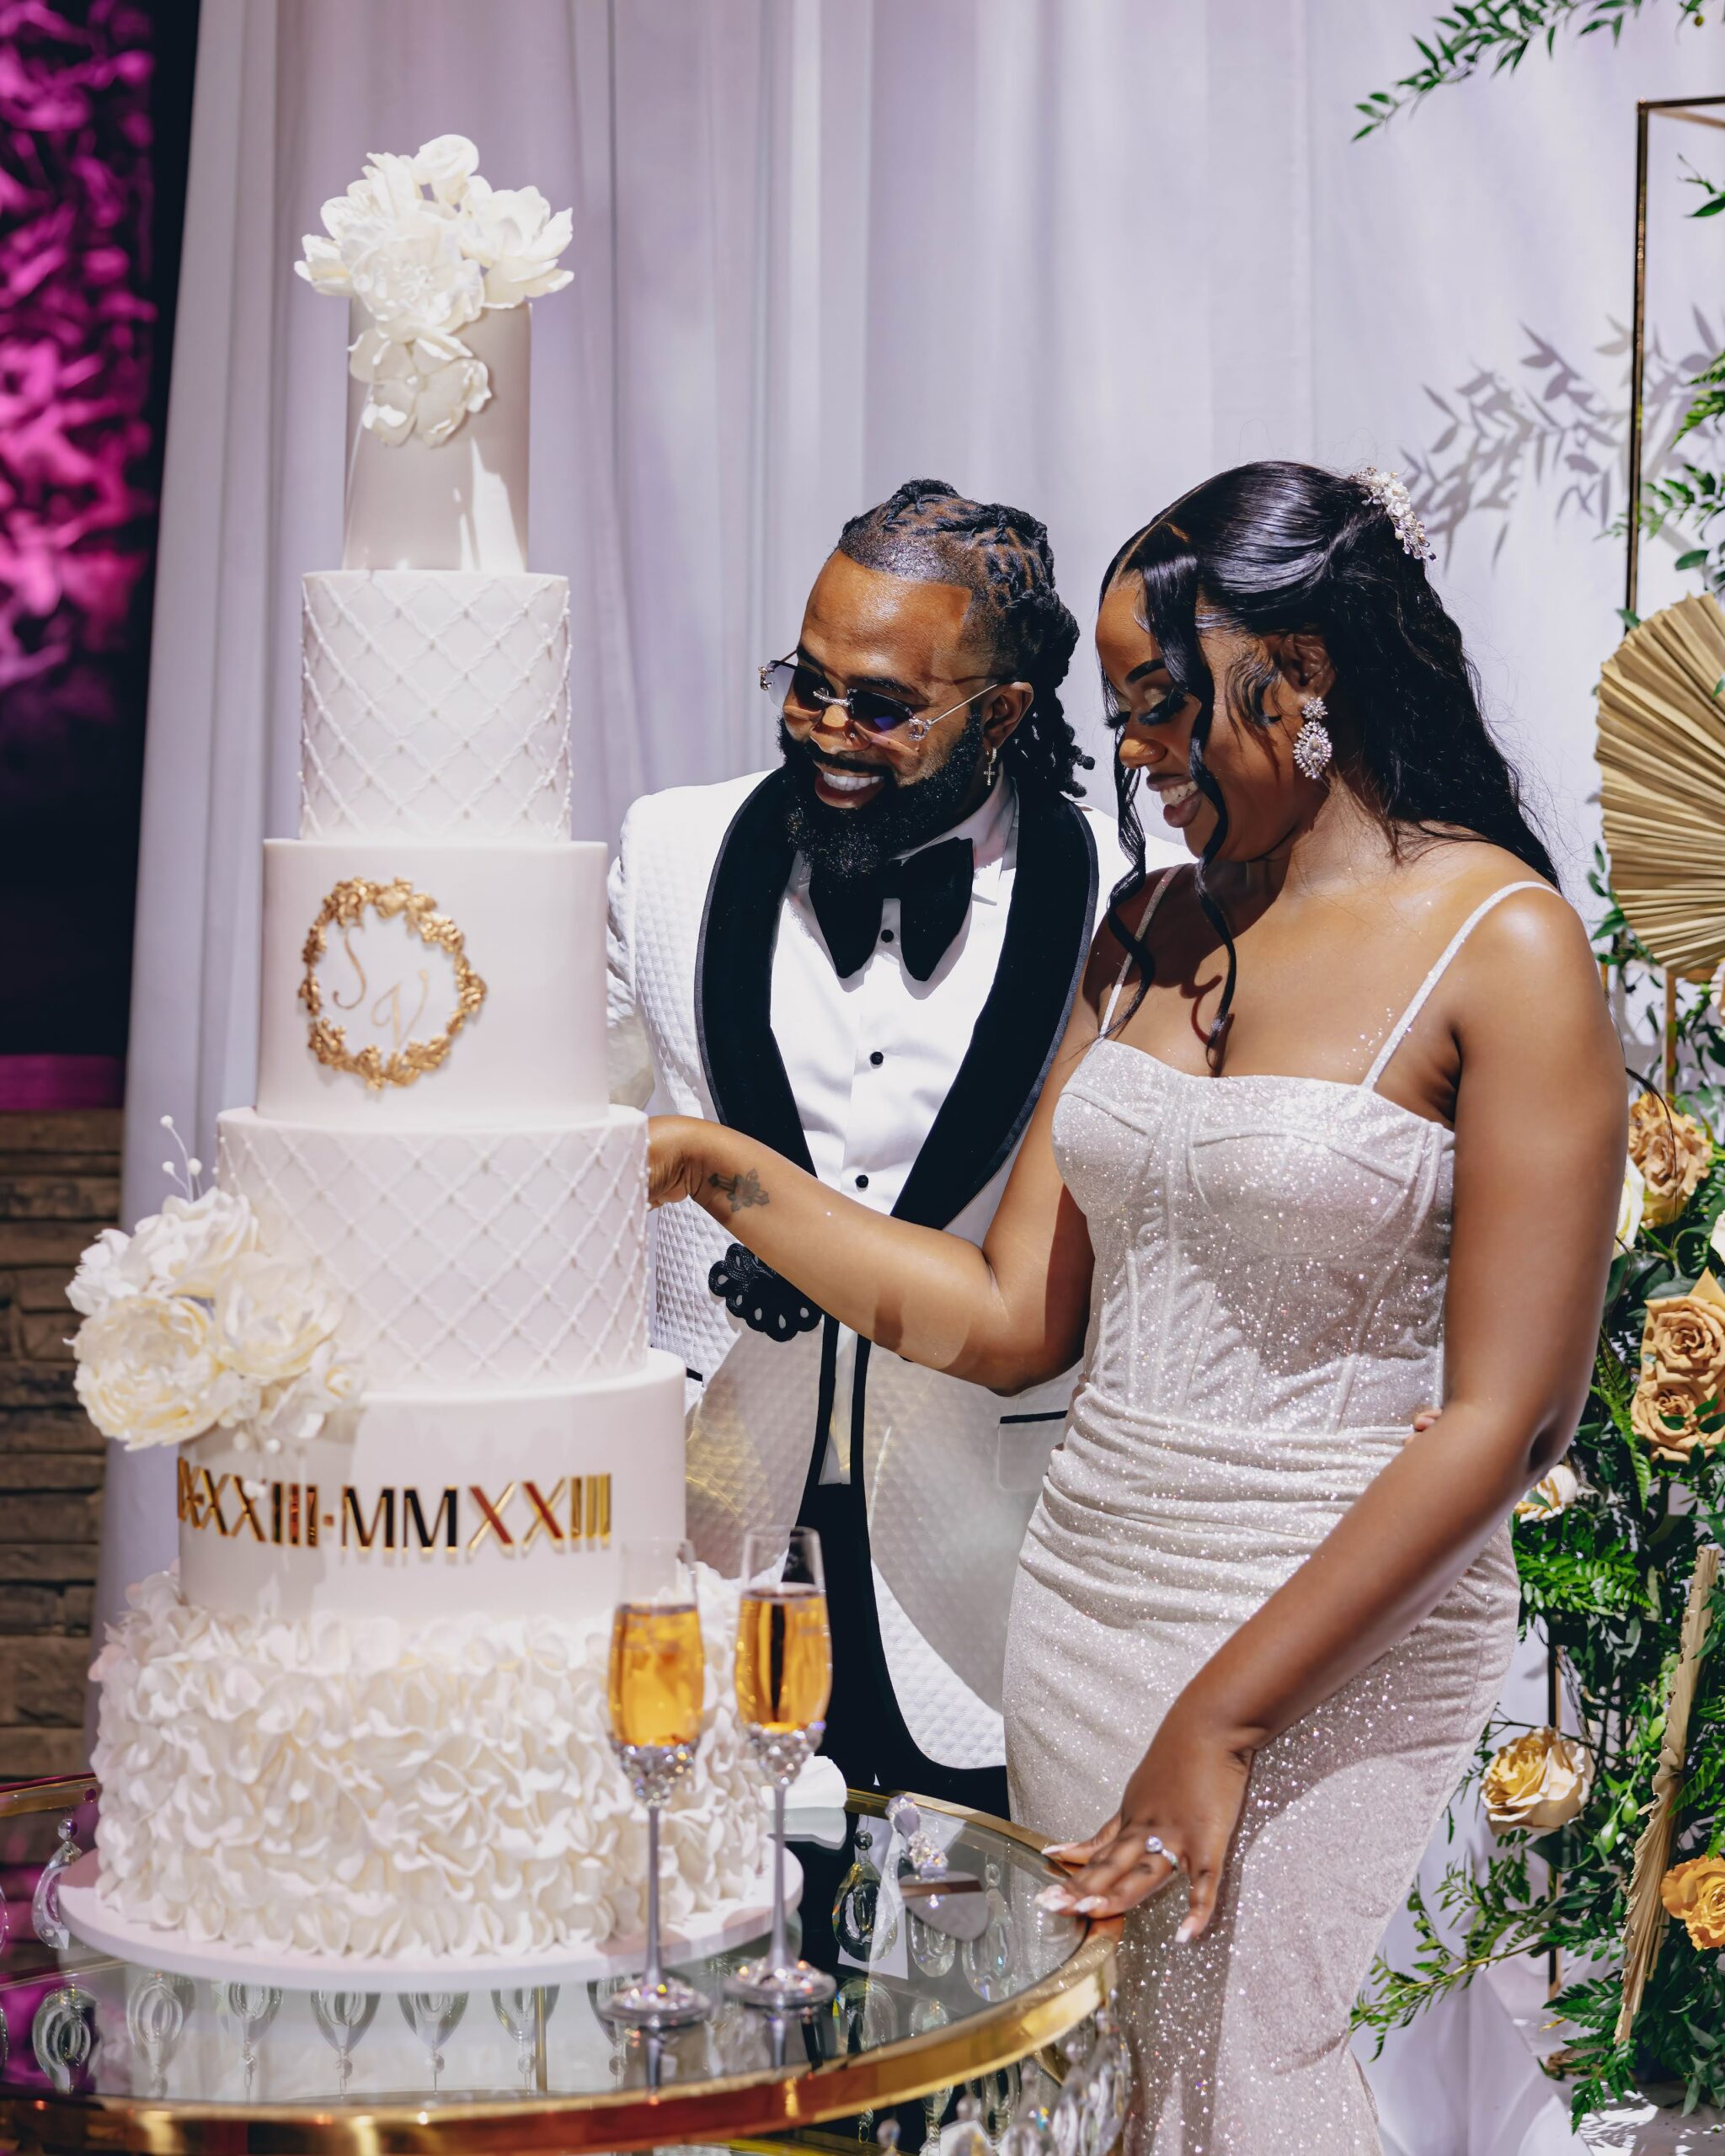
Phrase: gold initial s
(352, 1002)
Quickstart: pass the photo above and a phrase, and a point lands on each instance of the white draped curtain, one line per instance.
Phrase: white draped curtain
(1070, 253)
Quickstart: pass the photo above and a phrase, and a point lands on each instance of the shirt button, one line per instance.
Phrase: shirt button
(877, 1059)
(862, 1183)
(886, 935)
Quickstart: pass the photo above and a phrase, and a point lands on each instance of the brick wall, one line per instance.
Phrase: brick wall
(59, 1183)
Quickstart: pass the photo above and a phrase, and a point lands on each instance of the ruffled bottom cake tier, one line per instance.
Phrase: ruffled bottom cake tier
(360, 1785)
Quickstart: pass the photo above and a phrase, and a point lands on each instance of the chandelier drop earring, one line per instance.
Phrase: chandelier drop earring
(1312, 745)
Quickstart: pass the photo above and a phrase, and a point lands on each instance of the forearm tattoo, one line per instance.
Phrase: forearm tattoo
(742, 1190)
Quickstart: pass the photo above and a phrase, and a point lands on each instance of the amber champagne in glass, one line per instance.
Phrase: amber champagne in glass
(657, 1674)
(784, 1660)
(656, 1684)
(785, 1680)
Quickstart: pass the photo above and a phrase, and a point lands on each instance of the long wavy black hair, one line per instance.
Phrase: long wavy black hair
(926, 529)
(1273, 549)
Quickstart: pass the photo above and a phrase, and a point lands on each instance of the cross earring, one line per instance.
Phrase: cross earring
(1312, 745)
(988, 765)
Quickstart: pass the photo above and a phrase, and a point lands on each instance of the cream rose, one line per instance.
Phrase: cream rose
(445, 165)
(1552, 1494)
(1541, 1780)
(1665, 1415)
(1631, 1205)
(148, 1372)
(1682, 1372)
(1673, 1151)
(272, 1317)
(1695, 1894)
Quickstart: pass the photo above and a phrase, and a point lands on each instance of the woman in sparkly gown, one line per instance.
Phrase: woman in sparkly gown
(1336, 1134)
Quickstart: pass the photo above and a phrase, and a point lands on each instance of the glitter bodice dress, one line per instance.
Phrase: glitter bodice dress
(1266, 1319)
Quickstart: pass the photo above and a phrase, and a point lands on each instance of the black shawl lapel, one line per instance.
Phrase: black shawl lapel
(745, 1074)
(1014, 1040)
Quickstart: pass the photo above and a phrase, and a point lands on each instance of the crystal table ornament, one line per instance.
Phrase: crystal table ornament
(343, 2018)
(250, 2009)
(525, 2014)
(157, 2007)
(64, 2036)
(50, 1924)
(434, 2017)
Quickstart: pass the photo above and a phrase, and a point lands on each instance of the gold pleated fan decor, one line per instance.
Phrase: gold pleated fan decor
(1662, 758)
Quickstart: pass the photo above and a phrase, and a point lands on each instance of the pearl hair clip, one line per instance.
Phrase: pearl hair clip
(1392, 497)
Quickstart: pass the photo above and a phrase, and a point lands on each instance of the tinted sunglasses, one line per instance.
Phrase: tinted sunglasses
(797, 688)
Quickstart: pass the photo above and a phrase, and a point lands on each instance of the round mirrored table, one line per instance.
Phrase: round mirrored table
(933, 2001)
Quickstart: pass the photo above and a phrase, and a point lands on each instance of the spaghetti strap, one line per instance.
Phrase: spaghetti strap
(1156, 900)
(1398, 1033)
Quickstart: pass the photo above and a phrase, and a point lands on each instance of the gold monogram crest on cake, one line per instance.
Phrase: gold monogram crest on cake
(414, 991)
(433, 1134)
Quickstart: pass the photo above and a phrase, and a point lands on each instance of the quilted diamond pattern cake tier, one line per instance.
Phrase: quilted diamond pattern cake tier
(470, 1260)
(436, 706)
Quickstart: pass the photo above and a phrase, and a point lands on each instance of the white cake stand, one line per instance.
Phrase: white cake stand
(731, 1923)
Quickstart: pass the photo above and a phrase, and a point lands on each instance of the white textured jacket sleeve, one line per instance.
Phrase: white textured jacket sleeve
(629, 1053)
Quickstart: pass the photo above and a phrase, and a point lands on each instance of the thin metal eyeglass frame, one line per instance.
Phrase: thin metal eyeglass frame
(917, 724)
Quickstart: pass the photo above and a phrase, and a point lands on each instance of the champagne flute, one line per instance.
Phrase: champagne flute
(657, 1680)
(785, 1680)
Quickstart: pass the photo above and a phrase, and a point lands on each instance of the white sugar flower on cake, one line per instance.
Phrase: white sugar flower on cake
(427, 245)
(189, 1326)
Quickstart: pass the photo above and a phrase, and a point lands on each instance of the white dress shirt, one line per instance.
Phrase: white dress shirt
(872, 1058)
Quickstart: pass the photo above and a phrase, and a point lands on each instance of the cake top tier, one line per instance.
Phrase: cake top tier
(438, 267)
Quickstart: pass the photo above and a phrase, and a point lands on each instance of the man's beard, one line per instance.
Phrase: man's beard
(852, 842)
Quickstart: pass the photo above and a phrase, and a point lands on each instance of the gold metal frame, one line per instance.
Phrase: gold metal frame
(1698, 112)
(738, 2108)
(345, 907)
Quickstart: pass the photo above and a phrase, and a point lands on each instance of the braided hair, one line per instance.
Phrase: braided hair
(928, 532)
(1272, 548)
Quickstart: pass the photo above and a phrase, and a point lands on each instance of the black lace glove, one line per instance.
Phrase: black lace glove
(764, 1300)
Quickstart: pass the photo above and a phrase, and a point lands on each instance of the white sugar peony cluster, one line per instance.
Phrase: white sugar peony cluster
(189, 1326)
(427, 245)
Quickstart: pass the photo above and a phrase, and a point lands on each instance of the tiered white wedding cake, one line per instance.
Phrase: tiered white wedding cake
(369, 1717)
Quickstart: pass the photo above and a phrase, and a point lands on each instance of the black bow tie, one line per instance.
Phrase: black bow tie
(933, 891)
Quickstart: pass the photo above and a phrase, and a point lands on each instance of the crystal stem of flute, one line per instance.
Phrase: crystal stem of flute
(653, 1975)
(541, 2077)
(780, 1955)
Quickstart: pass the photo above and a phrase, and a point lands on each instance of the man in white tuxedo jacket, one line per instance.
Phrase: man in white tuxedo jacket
(865, 958)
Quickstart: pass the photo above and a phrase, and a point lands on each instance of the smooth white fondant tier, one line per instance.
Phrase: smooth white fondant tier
(533, 920)
(365, 1786)
(570, 1477)
(462, 504)
(473, 1260)
(436, 706)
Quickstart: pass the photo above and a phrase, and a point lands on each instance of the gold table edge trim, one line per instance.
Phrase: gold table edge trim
(736, 2108)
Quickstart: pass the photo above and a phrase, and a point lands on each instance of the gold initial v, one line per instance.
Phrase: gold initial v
(391, 997)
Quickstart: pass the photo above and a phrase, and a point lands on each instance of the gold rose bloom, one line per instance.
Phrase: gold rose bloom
(1682, 1375)
(1673, 1151)
(1541, 1780)
(1695, 1894)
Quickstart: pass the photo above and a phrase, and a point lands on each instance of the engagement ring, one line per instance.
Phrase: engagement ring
(1156, 1846)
